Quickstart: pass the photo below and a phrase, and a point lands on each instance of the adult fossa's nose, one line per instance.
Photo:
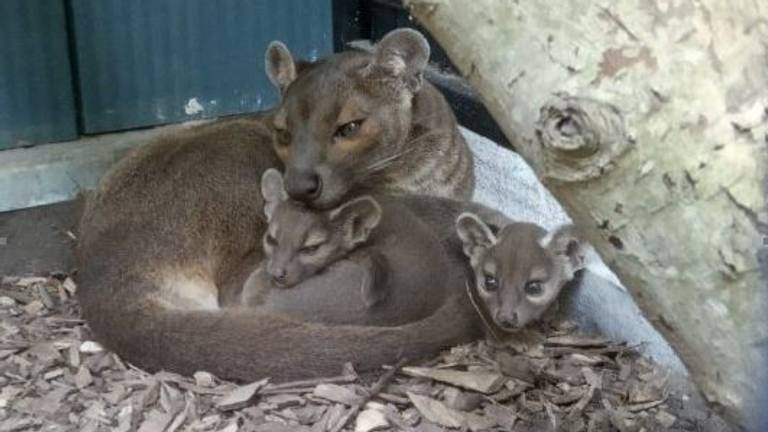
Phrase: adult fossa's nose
(303, 185)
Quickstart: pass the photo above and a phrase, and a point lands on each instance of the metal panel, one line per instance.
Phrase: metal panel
(36, 102)
(148, 62)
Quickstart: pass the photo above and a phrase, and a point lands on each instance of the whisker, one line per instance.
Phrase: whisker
(386, 161)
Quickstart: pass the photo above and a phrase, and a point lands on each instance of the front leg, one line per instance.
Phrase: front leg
(255, 288)
(373, 287)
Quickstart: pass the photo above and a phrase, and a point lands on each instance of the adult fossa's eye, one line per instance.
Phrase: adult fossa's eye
(310, 250)
(490, 283)
(271, 240)
(533, 289)
(348, 130)
(283, 137)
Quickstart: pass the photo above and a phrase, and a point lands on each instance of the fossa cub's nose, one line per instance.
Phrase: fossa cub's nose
(303, 185)
(507, 322)
(278, 275)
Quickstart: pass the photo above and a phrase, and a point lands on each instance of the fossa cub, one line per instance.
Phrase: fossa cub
(367, 261)
(519, 269)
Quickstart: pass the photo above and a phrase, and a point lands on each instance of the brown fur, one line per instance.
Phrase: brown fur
(174, 230)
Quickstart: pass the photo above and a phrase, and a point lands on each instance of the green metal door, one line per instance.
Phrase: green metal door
(149, 62)
(36, 98)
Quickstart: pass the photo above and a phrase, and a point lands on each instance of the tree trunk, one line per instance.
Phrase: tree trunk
(647, 119)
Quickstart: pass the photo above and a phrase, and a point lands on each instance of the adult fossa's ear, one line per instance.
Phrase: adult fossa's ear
(566, 244)
(475, 235)
(356, 219)
(272, 190)
(402, 54)
(280, 66)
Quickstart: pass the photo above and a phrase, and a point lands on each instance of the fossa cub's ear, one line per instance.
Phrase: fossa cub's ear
(475, 235)
(402, 54)
(280, 66)
(272, 190)
(356, 219)
(566, 243)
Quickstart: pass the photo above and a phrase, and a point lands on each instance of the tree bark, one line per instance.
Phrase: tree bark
(647, 120)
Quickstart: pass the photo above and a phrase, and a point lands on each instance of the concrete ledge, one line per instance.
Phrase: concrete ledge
(56, 172)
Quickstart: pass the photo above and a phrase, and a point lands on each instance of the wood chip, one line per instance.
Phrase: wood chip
(461, 400)
(45, 297)
(53, 374)
(155, 421)
(6, 301)
(577, 341)
(665, 419)
(83, 377)
(29, 281)
(19, 424)
(516, 366)
(204, 379)
(311, 414)
(503, 416)
(70, 286)
(594, 383)
(644, 406)
(124, 419)
(240, 397)
(336, 393)
(642, 392)
(344, 378)
(331, 418)
(436, 412)
(372, 418)
(35, 307)
(282, 401)
(279, 427)
(91, 347)
(483, 382)
(73, 356)
(230, 427)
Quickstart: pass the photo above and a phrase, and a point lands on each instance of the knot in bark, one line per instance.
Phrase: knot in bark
(580, 137)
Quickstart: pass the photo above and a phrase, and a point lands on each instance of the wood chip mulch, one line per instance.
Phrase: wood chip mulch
(54, 377)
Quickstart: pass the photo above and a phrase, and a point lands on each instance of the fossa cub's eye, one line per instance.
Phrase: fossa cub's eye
(310, 250)
(271, 240)
(347, 130)
(490, 283)
(533, 289)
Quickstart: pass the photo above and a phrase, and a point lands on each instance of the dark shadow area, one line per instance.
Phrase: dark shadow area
(38, 241)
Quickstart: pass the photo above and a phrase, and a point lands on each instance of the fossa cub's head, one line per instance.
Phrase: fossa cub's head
(300, 241)
(520, 270)
(344, 118)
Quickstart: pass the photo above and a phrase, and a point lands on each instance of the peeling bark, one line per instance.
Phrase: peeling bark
(647, 119)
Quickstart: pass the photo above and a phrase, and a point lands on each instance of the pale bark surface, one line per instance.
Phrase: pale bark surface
(647, 120)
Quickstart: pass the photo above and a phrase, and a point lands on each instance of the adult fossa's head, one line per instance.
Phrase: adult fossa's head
(346, 118)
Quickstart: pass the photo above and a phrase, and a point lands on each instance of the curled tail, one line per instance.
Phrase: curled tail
(248, 344)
